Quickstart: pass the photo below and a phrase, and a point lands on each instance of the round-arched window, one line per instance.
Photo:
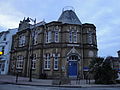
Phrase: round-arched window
(73, 57)
(91, 53)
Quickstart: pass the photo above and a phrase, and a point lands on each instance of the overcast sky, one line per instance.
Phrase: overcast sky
(105, 14)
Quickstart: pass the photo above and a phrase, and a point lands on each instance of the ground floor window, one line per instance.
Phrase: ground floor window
(34, 61)
(47, 61)
(19, 62)
(2, 66)
(56, 62)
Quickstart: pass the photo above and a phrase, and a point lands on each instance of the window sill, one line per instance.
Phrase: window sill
(47, 69)
(56, 69)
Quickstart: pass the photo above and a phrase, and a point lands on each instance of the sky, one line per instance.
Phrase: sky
(104, 14)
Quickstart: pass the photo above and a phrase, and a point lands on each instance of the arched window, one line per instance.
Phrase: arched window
(73, 57)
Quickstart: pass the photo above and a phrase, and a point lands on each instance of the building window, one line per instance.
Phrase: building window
(21, 40)
(35, 35)
(3, 50)
(56, 37)
(48, 36)
(91, 54)
(70, 35)
(34, 61)
(47, 61)
(56, 62)
(2, 66)
(90, 37)
(4, 37)
(73, 36)
(19, 62)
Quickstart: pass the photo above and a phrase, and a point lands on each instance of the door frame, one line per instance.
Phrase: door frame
(76, 67)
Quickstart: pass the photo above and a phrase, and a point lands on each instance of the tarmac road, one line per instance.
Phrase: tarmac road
(23, 87)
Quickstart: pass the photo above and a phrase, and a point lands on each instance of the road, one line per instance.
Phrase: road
(22, 87)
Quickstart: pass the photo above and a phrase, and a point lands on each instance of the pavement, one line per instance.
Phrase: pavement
(9, 79)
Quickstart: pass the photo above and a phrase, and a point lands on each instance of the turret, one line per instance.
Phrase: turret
(69, 16)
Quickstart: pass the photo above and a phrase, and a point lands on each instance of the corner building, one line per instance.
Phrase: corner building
(62, 48)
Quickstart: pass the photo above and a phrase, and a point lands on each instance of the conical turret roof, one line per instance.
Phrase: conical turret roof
(69, 16)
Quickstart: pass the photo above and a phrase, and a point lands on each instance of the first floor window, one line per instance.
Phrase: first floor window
(56, 62)
(47, 61)
(90, 37)
(21, 40)
(48, 36)
(35, 35)
(19, 62)
(73, 36)
(70, 37)
(56, 38)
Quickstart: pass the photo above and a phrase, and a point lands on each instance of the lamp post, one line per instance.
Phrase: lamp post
(32, 33)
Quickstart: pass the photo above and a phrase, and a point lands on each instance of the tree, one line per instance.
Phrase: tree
(102, 70)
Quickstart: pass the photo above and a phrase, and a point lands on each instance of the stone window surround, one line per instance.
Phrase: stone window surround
(21, 40)
(47, 36)
(2, 66)
(47, 61)
(56, 61)
(34, 61)
(56, 36)
(73, 36)
(19, 64)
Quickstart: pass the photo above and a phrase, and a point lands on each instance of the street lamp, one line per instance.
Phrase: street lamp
(32, 33)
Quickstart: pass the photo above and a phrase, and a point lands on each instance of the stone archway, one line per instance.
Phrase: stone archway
(73, 63)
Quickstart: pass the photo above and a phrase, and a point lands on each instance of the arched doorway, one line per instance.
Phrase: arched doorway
(72, 65)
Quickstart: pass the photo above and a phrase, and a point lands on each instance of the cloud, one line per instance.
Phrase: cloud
(9, 16)
(103, 13)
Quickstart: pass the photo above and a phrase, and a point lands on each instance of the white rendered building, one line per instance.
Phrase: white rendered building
(5, 47)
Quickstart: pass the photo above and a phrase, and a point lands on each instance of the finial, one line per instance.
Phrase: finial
(68, 8)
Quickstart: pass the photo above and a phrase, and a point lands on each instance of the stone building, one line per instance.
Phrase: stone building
(5, 48)
(62, 48)
(115, 62)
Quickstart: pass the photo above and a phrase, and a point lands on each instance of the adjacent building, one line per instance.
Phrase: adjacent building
(62, 48)
(115, 62)
(5, 48)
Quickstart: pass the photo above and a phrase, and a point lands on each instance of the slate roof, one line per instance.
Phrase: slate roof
(69, 17)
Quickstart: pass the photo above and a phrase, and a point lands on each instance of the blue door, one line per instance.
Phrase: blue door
(72, 68)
